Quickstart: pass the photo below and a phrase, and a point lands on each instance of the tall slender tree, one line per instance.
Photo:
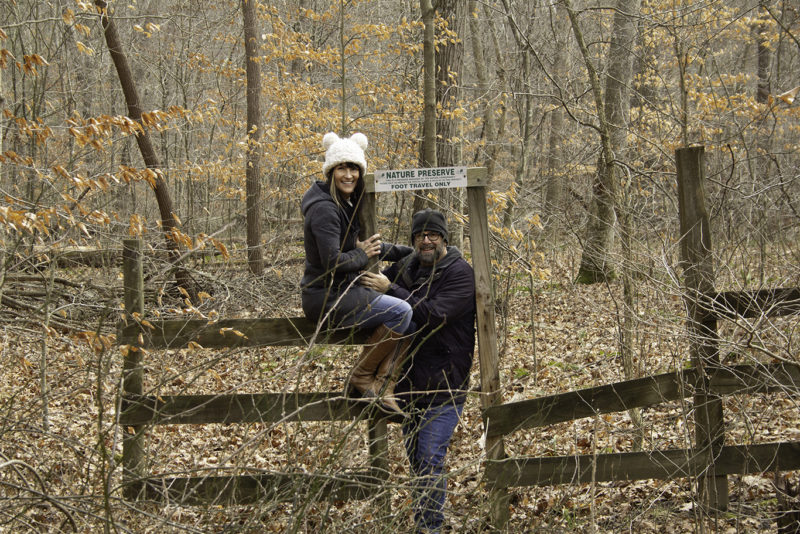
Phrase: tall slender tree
(482, 74)
(253, 166)
(554, 159)
(428, 145)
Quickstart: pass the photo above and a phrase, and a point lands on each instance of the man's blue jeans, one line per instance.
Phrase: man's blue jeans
(427, 434)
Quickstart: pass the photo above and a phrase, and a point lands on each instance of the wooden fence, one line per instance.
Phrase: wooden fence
(706, 381)
(709, 460)
(139, 411)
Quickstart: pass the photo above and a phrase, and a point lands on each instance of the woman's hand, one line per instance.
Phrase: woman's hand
(376, 281)
(371, 246)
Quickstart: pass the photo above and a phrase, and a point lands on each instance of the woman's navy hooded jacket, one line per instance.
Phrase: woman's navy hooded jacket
(333, 261)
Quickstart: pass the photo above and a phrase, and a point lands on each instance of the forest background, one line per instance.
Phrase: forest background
(576, 107)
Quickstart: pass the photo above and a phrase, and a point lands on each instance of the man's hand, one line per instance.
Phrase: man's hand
(376, 281)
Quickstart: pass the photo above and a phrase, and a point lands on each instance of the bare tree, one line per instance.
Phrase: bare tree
(253, 170)
(612, 114)
(554, 161)
(169, 221)
(449, 67)
(481, 72)
(427, 155)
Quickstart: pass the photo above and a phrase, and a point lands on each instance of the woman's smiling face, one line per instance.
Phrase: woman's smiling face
(345, 178)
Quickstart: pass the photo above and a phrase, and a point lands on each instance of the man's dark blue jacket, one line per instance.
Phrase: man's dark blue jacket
(443, 300)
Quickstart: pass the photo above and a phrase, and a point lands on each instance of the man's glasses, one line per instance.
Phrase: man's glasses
(433, 237)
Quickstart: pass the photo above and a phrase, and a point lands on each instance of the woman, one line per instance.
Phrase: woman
(334, 259)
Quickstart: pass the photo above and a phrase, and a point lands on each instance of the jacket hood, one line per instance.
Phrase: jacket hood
(319, 192)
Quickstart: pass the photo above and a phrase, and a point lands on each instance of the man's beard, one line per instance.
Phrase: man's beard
(429, 256)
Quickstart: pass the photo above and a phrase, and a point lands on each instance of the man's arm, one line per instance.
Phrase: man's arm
(454, 295)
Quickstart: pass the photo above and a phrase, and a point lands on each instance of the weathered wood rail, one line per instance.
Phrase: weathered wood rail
(658, 464)
(638, 393)
(709, 461)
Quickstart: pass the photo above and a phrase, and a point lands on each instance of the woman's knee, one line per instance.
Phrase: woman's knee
(397, 314)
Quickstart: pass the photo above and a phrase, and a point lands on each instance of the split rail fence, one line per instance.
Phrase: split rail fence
(141, 411)
(709, 461)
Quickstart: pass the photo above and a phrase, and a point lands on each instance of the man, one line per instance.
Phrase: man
(440, 286)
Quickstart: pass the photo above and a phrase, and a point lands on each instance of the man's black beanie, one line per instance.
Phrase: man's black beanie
(428, 220)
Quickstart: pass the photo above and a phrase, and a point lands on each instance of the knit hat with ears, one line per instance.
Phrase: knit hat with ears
(348, 150)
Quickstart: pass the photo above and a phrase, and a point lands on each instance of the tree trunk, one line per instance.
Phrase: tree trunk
(762, 161)
(449, 64)
(481, 72)
(764, 57)
(554, 162)
(525, 136)
(612, 117)
(428, 146)
(169, 222)
(449, 68)
(253, 166)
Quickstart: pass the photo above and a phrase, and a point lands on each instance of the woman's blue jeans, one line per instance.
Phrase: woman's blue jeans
(427, 434)
(390, 311)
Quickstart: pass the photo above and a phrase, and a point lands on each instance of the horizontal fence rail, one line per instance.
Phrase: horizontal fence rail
(638, 393)
(659, 464)
(241, 408)
(264, 487)
(233, 333)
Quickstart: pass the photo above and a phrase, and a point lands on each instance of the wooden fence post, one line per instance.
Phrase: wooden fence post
(698, 273)
(487, 337)
(378, 430)
(132, 372)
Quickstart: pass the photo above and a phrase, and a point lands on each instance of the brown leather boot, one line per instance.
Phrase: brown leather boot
(380, 346)
(386, 376)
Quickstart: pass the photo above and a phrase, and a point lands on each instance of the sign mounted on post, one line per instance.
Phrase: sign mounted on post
(428, 178)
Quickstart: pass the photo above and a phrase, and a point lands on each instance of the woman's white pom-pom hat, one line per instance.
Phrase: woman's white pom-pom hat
(347, 150)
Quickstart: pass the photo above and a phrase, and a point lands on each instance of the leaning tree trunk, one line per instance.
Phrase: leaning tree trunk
(253, 166)
(169, 222)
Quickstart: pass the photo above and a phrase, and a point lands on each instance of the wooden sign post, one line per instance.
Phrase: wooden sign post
(476, 181)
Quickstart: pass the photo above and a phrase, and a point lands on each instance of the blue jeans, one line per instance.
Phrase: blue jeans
(391, 311)
(427, 434)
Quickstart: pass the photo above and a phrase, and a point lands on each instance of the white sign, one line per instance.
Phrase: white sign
(429, 178)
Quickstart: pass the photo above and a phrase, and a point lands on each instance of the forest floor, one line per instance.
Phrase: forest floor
(60, 450)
